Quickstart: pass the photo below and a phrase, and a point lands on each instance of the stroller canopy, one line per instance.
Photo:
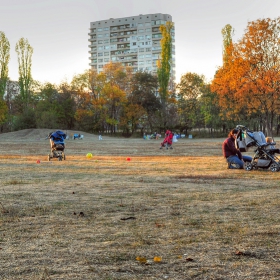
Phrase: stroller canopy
(58, 136)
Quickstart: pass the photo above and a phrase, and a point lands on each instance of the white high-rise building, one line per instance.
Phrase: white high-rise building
(133, 41)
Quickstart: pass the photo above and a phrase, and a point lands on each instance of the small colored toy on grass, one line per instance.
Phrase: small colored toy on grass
(89, 155)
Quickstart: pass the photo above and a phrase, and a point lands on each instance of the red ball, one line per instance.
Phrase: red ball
(38, 161)
(128, 159)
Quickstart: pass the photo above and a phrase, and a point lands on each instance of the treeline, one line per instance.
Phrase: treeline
(245, 90)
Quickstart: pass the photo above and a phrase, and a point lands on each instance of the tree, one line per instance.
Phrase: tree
(190, 89)
(227, 33)
(24, 52)
(250, 82)
(143, 93)
(4, 61)
(164, 65)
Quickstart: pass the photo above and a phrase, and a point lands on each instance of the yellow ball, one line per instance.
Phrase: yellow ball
(89, 155)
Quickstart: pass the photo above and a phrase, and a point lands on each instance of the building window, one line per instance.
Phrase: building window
(100, 66)
(141, 49)
(106, 53)
(148, 49)
(100, 54)
(141, 30)
(99, 29)
(100, 60)
(100, 42)
(140, 24)
(148, 29)
(106, 28)
(106, 59)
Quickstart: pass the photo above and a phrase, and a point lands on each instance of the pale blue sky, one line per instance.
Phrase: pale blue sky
(58, 30)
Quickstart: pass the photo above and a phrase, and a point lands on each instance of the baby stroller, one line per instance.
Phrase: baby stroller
(57, 145)
(264, 157)
(167, 142)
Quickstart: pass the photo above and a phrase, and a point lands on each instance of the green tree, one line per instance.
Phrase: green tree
(227, 33)
(164, 66)
(143, 92)
(24, 52)
(4, 61)
(190, 90)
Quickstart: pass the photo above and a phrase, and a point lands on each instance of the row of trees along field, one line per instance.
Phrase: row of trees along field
(244, 90)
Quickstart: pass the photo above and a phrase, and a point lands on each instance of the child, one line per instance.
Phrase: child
(167, 142)
(100, 136)
(271, 146)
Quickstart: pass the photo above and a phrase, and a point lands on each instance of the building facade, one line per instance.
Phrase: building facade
(133, 41)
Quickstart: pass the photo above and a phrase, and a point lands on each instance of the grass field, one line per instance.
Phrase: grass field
(163, 214)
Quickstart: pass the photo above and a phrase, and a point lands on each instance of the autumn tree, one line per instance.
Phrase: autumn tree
(4, 61)
(114, 92)
(251, 79)
(24, 52)
(164, 66)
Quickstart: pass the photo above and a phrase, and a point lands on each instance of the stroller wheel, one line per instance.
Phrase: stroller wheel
(60, 158)
(49, 157)
(274, 167)
(248, 166)
(64, 157)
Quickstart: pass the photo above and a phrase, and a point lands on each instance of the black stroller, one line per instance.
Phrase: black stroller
(264, 157)
(57, 145)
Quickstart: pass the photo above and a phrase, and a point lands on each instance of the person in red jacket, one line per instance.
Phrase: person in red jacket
(232, 155)
(167, 142)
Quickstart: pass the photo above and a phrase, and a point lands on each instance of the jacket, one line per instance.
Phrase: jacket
(229, 148)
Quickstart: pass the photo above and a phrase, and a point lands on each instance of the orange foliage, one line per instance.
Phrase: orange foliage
(250, 78)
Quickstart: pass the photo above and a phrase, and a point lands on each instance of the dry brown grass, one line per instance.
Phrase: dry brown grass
(91, 218)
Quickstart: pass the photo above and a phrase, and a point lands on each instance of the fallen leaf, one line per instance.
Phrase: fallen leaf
(189, 259)
(157, 259)
(159, 225)
(141, 259)
(239, 253)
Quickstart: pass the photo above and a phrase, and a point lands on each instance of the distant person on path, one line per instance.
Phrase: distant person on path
(100, 136)
(232, 155)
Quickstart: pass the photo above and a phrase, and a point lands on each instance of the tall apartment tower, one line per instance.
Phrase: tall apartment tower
(133, 41)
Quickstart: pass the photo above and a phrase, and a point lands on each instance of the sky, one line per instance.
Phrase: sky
(58, 30)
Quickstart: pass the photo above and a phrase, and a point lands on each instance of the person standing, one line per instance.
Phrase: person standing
(232, 155)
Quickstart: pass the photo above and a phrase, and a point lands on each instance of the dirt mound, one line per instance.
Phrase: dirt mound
(35, 134)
